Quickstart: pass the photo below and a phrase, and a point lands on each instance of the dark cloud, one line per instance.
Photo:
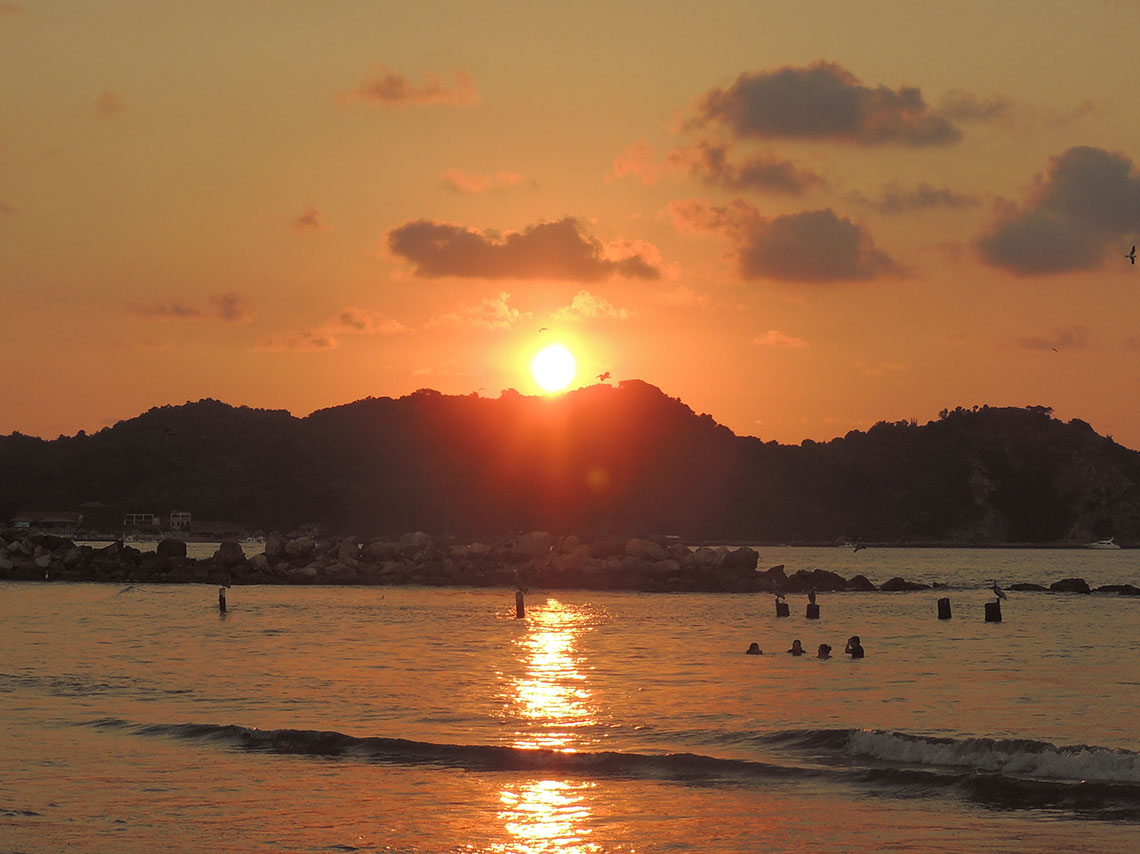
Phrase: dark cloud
(167, 310)
(962, 106)
(302, 342)
(811, 246)
(394, 90)
(896, 198)
(823, 101)
(552, 250)
(108, 104)
(711, 161)
(309, 221)
(1087, 202)
(229, 307)
(1065, 338)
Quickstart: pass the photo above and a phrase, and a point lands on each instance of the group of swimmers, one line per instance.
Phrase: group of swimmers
(854, 649)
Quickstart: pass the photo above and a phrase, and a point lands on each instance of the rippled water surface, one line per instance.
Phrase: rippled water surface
(137, 718)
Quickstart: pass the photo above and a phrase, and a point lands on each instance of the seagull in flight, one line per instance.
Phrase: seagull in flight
(997, 590)
(544, 329)
(604, 376)
(1131, 256)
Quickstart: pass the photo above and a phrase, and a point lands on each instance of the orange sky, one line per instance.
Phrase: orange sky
(798, 218)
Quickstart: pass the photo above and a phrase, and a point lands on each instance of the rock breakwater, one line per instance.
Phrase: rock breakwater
(535, 560)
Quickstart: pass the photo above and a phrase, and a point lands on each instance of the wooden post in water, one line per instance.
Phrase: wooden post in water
(221, 600)
(782, 609)
(993, 611)
(944, 608)
(520, 611)
(812, 611)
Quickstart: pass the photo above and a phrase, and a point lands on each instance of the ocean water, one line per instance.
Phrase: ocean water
(408, 719)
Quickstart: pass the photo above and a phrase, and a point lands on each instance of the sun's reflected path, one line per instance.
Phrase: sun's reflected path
(551, 702)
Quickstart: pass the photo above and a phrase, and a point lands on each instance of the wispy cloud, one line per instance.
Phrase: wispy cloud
(297, 342)
(895, 198)
(1059, 338)
(823, 101)
(361, 321)
(459, 181)
(778, 340)
(811, 246)
(683, 297)
(351, 321)
(588, 306)
(309, 221)
(389, 89)
(230, 307)
(492, 313)
(1071, 218)
(550, 250)
(109, 104)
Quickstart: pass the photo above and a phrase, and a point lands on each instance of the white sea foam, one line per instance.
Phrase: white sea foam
(1013, 757)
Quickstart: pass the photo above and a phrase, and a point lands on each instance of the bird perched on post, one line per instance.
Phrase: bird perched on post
(997, 590)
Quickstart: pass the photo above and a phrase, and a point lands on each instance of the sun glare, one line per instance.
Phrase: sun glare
(553, 368)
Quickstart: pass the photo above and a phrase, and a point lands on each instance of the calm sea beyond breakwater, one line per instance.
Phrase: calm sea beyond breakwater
(405, 717)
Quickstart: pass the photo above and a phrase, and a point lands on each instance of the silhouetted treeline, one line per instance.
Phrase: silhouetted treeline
(599, 460)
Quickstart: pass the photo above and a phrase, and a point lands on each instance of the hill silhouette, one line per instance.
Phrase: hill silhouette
(599, 460)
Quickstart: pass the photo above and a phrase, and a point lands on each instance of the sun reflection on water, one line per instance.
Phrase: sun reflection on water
(546, 815)
(551, 702)
(552, 697)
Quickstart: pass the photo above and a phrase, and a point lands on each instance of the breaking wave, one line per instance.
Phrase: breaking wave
(999, 773)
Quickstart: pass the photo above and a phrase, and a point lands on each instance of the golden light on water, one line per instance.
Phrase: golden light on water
(547, 815)
(551, 700)
(551, 694)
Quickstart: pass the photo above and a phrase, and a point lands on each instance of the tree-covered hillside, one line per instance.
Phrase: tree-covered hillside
(598, 460)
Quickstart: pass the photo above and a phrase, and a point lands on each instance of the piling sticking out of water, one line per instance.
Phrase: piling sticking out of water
(993, 612)
(944, 608)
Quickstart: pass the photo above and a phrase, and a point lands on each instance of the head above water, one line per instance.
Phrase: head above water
(754, 649)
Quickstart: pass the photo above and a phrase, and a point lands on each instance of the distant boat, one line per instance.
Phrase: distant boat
(1103, 544)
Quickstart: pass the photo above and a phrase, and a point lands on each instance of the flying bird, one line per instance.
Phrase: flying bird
(1131, 256)
(544, 329)
(604, 376)
(997, 590)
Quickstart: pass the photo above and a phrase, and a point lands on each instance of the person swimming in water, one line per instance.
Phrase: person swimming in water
(797, 648)
(754, 649)
(824, 651)
(854, 647)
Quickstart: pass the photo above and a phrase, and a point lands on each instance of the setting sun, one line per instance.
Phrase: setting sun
(553, 367)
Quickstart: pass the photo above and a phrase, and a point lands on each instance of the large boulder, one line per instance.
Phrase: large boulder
(1070, 585)
(743, 559)
(534, 544)
(896, 585)
(348, 550)
(229, 554)
(644, 549)
(299, 547)
(171, 547)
